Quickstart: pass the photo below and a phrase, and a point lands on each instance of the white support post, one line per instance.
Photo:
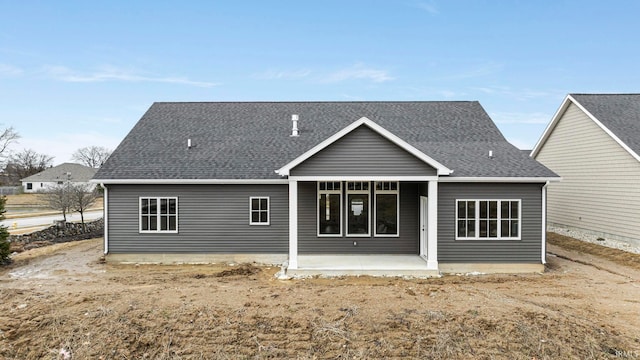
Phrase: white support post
(293, 224)
(432, 235)
(105, 216)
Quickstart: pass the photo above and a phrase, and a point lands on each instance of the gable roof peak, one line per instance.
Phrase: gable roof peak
(364, 121)
(618, 115)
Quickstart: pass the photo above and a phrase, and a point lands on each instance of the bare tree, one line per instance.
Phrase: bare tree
(82, 196)
(26, 163)
(58, 197)
(7, 136)
(91, 156)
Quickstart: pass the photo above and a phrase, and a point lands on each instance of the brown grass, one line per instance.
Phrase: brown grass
(26, 200)
(243, 312)
(38, 200)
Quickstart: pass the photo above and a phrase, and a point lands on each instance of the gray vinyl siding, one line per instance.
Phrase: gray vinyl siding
(526, 250)
(599, 190)
(211, 219)
(363, 152)
(407, 243)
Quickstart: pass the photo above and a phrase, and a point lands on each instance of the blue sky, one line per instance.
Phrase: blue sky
(79, 73)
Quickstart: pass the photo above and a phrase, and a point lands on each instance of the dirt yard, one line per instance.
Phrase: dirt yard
(61, 302)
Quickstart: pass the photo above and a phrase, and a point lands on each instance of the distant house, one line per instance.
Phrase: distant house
(56, 175)
(593, 143)
(329, 187)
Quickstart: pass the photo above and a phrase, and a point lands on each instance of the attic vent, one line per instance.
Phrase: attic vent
(490, 154)
(294, 130)
(189, 143)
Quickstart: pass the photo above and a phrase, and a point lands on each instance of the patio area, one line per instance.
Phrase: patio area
(372, 265)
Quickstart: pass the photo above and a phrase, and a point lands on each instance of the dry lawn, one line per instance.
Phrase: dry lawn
(62, 302)
(38, 201)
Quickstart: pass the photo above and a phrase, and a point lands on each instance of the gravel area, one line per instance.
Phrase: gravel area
(580, 235)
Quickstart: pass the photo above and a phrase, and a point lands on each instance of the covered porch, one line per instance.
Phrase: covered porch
(351, 254)
(363, 201)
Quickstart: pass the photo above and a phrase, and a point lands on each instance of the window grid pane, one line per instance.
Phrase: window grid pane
(158, 214)
(387, 214)
(259, 212)
(329, 214)
(495, 219)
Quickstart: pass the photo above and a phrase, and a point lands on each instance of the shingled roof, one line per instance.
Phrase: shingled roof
(63, 172)
(620, 113)
(250, 140)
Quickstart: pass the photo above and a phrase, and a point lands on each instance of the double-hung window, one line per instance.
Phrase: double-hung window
(158, 214)
(488, 219)
(259, 212)
(386, 208)
(330, 208)
(358, 208)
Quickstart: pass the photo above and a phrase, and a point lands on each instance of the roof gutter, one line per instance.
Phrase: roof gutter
(105, 218)
(544, 223)
(500, 179)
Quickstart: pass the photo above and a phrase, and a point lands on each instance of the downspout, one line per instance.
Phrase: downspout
(544, 223)
(105, 218)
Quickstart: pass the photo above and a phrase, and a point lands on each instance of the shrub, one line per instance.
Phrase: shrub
(4, 236)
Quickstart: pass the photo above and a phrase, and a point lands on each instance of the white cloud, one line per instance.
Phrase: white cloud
(429, 7)
(7, 70)
(358, 72)
(62, 146)
(520, 118)
(282, 74)
(111, 73)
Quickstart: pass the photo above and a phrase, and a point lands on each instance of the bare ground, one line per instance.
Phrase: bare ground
(61, 302)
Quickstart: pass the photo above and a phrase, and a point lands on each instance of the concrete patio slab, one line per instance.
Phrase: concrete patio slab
(372, 265)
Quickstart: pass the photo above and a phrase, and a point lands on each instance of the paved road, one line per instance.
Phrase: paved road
(35, 221)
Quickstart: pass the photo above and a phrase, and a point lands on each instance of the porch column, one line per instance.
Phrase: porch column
(293, 224)
(432, 228)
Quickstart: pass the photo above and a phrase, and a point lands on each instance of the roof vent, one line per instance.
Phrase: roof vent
(490, 154)
(189, 143)
(294, 130)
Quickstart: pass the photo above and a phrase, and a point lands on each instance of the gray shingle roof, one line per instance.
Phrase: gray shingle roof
(620, 113)
(63, 172)
(250, 140)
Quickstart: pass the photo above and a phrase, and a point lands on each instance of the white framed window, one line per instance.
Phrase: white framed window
(29, 186)
(358, 208)
(330, 208)
(259, 210)
(158, 214)
(488, 219)
(387, 209)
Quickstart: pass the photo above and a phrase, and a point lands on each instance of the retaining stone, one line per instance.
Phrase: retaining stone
(55, 234)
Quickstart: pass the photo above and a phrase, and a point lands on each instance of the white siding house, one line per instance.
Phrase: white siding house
(66, 172)
(591, 144)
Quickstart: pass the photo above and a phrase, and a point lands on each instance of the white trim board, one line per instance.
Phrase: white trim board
(441, 169)
(500, 179)
(364, 178)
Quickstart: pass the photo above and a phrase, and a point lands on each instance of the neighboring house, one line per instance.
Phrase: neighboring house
(593, 143)
(74, 173)
(331, 187)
